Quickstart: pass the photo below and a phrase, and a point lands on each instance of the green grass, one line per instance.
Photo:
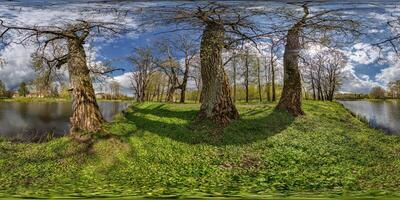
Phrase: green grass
(157, 150)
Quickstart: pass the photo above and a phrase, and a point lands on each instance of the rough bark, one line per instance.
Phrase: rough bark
(291, 93)
(86, 113)
(216, 102)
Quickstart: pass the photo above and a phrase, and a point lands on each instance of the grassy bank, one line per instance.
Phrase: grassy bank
(156, 150)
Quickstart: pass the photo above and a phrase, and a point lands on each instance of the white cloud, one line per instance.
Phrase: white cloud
(18, 58)
(363, 53)
(354, 83)
(123, 80)
(17, 67)
(392, 72)
(364, 77)
(381, 16)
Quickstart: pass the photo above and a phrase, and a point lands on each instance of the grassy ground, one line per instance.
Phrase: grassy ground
(156, 150)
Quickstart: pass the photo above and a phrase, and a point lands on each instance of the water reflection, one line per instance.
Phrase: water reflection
(24, 121)
(379, 114)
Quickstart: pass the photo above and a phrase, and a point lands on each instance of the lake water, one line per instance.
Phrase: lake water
(30, 121)
(379, 114)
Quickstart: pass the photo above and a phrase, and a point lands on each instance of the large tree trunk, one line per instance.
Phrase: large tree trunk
(86, 113)
(216, 102)
(183, 94)
(291, 93)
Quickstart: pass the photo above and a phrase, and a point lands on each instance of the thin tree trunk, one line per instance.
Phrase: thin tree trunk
(184, 81)
(291, 93)
(168, 87)
(273, 79)
(216, 102)
(86, 113)
(259, 79)
(267, 80)
(158, 92)
(162, 92)
(234, 77)
(313, 88)
(268, 91)
(246, 78)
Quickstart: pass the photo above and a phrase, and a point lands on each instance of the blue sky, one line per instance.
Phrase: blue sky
(363, 70)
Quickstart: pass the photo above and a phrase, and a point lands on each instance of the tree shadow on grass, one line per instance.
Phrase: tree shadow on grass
(180, 126)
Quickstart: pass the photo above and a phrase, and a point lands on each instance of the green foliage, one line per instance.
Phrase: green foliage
(3, 89)
(157, 150)
(23, 90)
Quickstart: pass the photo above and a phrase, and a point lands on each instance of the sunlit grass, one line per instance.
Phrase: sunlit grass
(157, 150)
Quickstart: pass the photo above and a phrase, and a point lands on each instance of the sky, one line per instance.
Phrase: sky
(367, 66)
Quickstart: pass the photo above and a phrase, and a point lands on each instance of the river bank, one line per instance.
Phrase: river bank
(155, 150)
(49, 100)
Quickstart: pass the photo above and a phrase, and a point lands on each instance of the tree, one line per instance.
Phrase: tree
(377, 93)
(64, 91)
(144, 67)
(23, 90)
(291, 94)
(394, 88)
(258, 69)
(234, 66)
(323, 72)
(170, 66)
(333, 72)
(3, 89)
(246, 73)
(218, 23)
(393, 41)
(189, 50)
(196, 76)
(54, 91)
(270, 70)
(322, 26)
(115, 89)
(60, 45)
(46, 74)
